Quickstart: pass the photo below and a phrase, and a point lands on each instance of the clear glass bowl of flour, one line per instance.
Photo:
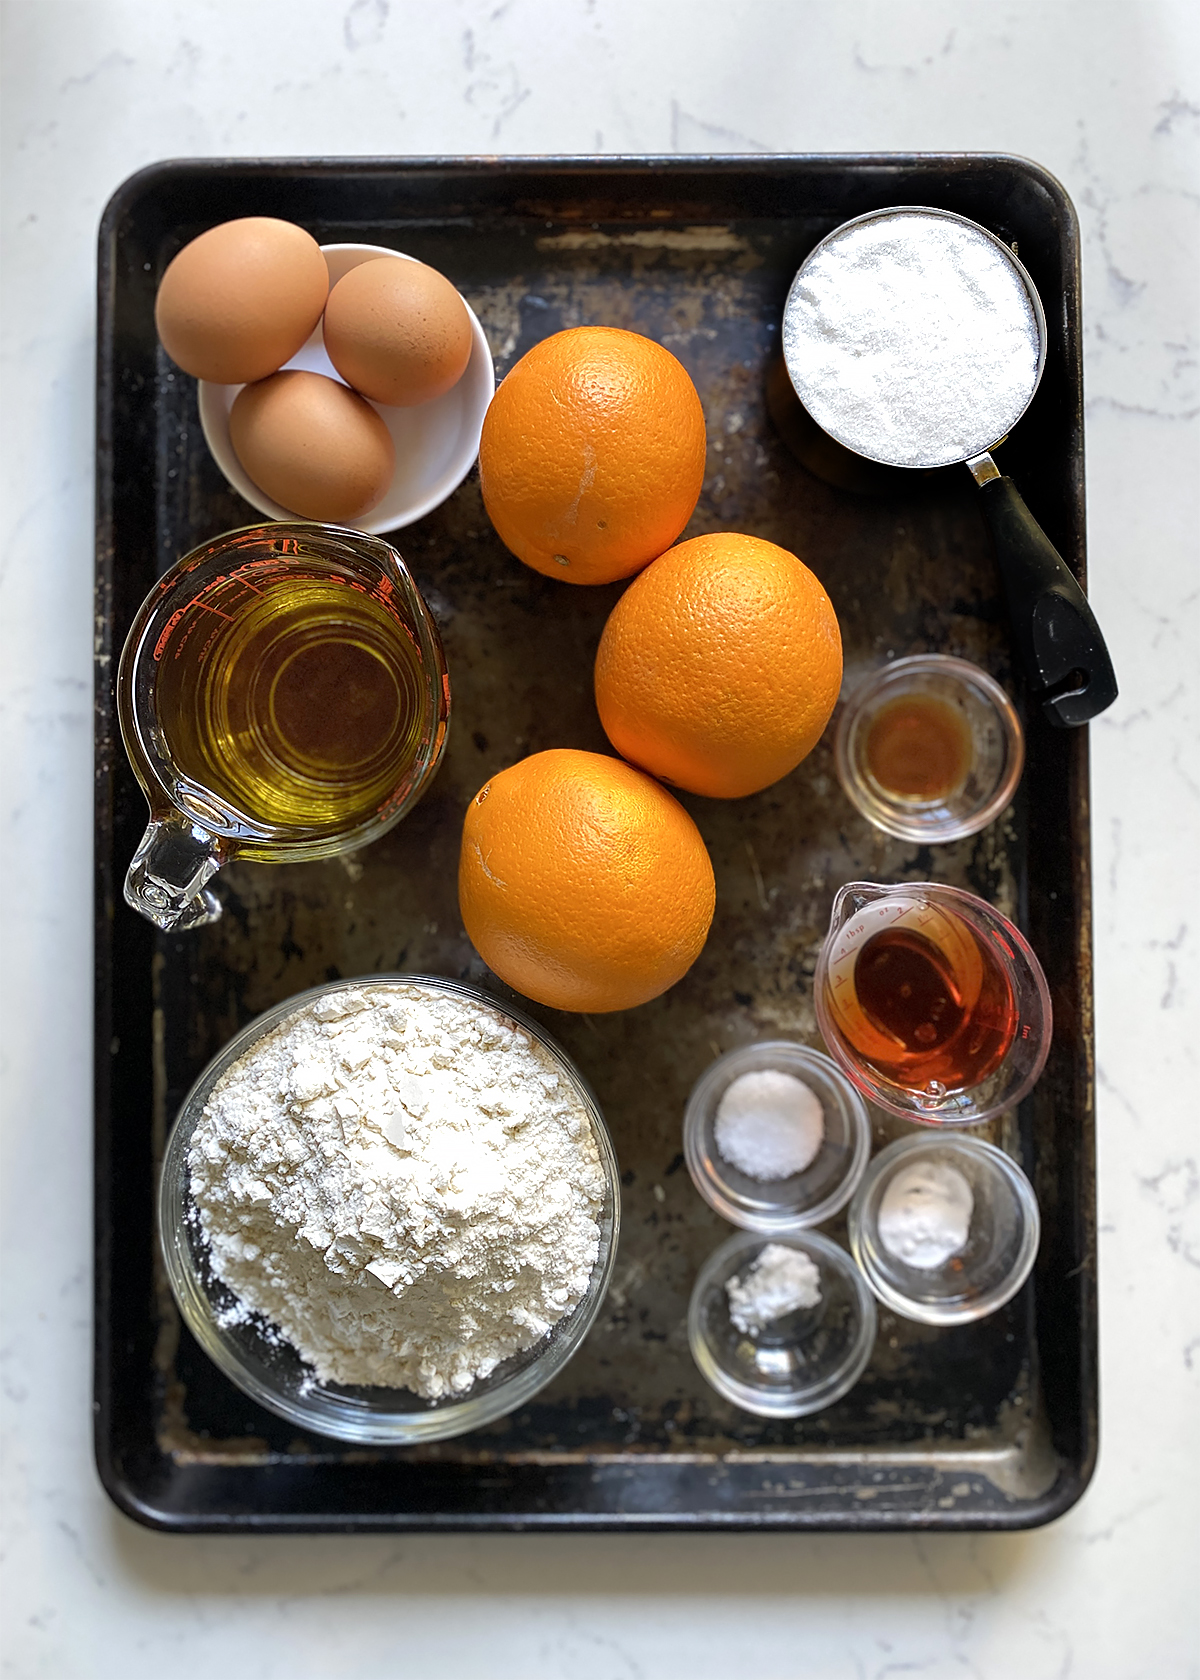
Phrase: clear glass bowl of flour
(944, 1228)
(250, 1350)
(809, 1162)
(781, 1326)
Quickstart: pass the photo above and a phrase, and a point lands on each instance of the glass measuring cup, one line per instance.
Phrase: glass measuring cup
(883, 347)
(283, 696)
(932, 1001)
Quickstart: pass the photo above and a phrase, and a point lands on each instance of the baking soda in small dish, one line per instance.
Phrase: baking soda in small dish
(769, 1125)
(925, 1214)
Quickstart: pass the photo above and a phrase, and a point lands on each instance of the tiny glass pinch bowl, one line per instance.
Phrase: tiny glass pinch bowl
(436, 442)
(1001, 1243)
(805, 1198)
(796, 1364)
(992, 764)
(253, 1354)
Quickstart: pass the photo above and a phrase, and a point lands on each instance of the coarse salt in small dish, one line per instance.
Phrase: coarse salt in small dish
(250, 1347)
(436, 442)
(755, 1147)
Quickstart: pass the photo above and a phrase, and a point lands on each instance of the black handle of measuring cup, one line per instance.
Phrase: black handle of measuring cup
(1057, 638)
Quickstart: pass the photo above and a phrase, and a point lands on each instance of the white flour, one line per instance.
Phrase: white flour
(912, 340)
(780, 1281)
(402, 1182)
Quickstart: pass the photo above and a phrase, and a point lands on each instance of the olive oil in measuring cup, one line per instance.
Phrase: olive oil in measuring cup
(283, 696)
(294, 698)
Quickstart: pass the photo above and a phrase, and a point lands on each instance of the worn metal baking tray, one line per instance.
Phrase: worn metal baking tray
(988, 1425)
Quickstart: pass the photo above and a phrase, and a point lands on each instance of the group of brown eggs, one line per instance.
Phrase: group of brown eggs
(243, 299)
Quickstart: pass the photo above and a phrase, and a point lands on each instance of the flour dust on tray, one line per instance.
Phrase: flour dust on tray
(404, 1183)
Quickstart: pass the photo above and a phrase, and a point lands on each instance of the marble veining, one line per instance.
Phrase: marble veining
(1105, 95)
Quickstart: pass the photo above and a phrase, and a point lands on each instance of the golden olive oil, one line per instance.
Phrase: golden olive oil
(295, 696)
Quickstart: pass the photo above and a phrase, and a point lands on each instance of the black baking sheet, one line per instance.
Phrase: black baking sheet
(987, 1425)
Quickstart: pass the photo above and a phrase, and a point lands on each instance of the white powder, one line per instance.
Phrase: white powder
(912, 339)
(780, 1281)
(925, 1214)
(403, 1183)
(769, 1124)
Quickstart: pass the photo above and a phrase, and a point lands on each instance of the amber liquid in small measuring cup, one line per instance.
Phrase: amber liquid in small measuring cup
(919, 747)
(927, 1003)
(293, 695)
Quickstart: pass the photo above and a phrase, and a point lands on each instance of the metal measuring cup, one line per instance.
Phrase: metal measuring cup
(1058, 642)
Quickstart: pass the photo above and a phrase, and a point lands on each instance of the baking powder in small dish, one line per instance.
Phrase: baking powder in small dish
(925, 1214)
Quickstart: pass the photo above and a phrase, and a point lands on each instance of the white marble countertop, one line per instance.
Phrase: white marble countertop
(1107, 96)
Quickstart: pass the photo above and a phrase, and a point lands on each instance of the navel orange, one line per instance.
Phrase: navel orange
(720, 665)
(583, 883)
(592, 454)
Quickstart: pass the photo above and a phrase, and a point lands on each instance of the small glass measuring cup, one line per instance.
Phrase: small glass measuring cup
(283, 696)
(932, 1001)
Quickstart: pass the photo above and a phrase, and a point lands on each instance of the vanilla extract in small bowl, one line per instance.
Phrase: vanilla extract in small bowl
(919, 747)
(929, 748)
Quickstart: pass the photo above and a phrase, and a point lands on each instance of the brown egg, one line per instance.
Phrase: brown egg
(240, 300)
(397, 331)
(316, 448)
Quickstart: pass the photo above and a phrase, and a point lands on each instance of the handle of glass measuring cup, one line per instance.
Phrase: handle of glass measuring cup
(1058, 640)
(166, 882)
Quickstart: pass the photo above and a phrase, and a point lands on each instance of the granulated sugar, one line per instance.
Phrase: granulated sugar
(912, 339)
(404, 1183)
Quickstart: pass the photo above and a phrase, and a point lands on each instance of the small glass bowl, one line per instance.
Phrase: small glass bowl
(797, 1364)
(1001, 1244)
(254, 1356)
(784, 1204)
(997, 749)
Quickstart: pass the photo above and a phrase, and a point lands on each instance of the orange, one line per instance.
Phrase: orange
(719, 666)
(582, 883)
(592, 454)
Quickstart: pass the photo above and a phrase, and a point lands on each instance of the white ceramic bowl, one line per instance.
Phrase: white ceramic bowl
(436, 442)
